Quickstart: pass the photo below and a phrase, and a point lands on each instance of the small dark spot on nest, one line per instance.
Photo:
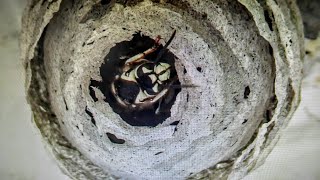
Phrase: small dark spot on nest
(113, 138)
(246, 92)
(268, 19)
(105, 2)
(245, 121)
(175, 123)
(184, 71)
(158, 153)
(93, 121)
(204, 16)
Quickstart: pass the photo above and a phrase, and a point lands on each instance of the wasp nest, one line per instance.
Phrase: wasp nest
(149, 89)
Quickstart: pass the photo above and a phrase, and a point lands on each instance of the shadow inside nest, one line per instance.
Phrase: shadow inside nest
(150, 114)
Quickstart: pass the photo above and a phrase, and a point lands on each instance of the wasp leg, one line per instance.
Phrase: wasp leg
(169, 96)
(164, 49)
(113, 91)
(159, 106)
(163, 92)
(157, 40)
(184, 86)
(139, 57)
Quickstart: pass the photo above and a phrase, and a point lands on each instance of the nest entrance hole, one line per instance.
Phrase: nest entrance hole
(151, 115)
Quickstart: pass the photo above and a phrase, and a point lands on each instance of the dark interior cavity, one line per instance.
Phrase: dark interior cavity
(112, 66)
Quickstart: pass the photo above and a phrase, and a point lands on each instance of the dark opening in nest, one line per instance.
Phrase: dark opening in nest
(152, 114)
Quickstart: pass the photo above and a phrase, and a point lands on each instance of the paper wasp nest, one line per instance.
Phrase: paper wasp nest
(231, 73)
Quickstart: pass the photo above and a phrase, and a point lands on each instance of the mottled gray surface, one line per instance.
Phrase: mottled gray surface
(231, 28)
(211, 128)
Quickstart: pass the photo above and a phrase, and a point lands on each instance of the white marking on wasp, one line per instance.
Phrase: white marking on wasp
(159, 74)
(165, 76)
(161, 67)
(155, 88)
(145, 70)
(153, 78)
(129, 76)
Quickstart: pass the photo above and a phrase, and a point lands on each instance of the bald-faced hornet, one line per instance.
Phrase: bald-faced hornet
(143, 82)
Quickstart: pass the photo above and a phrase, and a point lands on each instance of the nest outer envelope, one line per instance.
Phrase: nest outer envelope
(248, 86)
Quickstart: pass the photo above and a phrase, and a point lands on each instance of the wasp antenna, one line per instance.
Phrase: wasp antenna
(164, 49)
(157, 40)
(183, 86)
(159, 106)
(171, 38)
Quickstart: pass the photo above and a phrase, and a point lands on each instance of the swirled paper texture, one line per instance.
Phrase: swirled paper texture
(241, 58)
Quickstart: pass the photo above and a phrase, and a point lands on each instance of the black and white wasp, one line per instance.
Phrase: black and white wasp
(143, 82)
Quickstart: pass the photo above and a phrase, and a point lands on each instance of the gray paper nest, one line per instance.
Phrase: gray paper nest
(242, 58)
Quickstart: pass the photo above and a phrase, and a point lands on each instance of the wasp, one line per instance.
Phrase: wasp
(142, 82)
